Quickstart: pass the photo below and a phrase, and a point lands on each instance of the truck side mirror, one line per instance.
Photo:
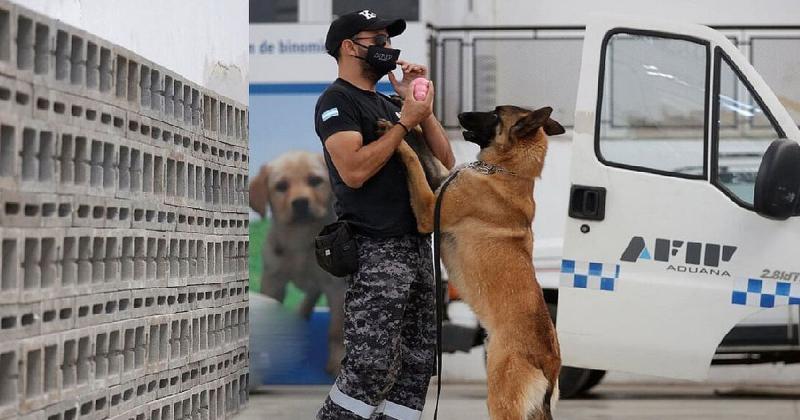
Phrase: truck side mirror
(777, 189)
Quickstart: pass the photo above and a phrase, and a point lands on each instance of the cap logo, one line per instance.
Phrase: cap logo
(367, 14)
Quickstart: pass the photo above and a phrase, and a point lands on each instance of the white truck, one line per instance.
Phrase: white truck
(679, 241)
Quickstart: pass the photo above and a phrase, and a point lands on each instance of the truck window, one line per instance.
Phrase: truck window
(653, 104)
(742, 133)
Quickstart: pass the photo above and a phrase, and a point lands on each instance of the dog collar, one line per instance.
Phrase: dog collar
(488, 168)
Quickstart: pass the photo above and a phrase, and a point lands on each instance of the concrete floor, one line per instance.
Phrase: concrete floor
(608, 401)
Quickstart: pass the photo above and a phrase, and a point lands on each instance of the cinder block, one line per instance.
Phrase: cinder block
(94, 405)
(168, 383)
(195, 107)
(58, 108)
(10, 362)
(235, 395)
(157, 260)
(108, 355)
(115, 402)
(11, 254)
(126, 399)
(38, 252)
(146, 387)
(40, 378)
(77, 369)
(161, 135)
(118, 213)
(210, 115)
(168, 94)
(179, 263)
(138, 129)
(63, 49)
(187, 220)
(33, 210)
(8, 27)
(89, 212)
(149, 216)
(74, 161)
(175, 183)
(185, 381)
(15, 95)
(95, 309)
(122, 78)
(180, 340)
(76, 262)
(204, 296)
(136, 413)
(216, 399)
(134, 348)
(57, 315)
(38, 145)
(66, 408)
(177, 116)
(153, 92)
(10, 153)
(104, 171)
(159, 344)
(107, 118)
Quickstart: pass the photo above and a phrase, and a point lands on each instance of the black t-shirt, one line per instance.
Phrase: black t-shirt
(381, 207)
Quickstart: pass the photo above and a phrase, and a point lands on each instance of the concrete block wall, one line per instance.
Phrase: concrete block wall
(123, 233)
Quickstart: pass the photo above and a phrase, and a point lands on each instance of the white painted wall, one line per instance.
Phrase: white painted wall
(576, 12)
(203, 40)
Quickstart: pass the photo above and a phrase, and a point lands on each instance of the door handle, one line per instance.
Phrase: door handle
(587, 202)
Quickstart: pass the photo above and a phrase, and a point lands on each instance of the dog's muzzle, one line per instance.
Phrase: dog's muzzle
(301, 210)
(477, 138)
(480, 127)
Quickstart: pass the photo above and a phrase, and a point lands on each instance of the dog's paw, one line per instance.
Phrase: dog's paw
(383, 126)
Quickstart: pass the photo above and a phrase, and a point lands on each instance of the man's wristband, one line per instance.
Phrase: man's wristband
(404, 127)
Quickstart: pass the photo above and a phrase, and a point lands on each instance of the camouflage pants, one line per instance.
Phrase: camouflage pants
(389, 332)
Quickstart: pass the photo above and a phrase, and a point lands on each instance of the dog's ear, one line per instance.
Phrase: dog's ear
(321, 159)
(552, 127)
(259, 191)
(528, 125)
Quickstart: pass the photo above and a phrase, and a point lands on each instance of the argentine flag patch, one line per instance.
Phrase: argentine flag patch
(333, 112)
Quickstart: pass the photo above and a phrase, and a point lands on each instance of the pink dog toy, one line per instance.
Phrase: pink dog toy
(420, 88)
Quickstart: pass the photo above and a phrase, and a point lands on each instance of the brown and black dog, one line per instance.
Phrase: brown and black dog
(487, 246)
(296, 188)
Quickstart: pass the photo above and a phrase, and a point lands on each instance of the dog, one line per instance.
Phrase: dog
(487, 245)
(296, 188)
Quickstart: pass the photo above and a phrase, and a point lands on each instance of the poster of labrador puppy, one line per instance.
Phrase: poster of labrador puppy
(296, 190)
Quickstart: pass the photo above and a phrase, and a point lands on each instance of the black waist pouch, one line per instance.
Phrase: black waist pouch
(336, 249)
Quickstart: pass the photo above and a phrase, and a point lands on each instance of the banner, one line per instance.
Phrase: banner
(289, 69)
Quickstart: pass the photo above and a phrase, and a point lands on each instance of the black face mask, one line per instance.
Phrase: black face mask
(382, 60)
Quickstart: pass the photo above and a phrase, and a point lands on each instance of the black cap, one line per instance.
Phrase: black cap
(348, 25)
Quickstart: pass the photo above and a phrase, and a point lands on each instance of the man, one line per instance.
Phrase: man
(389, 303)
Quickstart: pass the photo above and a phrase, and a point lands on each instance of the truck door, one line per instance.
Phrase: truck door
(666, 244)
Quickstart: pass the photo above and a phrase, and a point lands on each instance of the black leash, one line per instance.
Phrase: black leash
(437, 275)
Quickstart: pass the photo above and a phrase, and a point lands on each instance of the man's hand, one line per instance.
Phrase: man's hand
(415, 112)
(410, 72)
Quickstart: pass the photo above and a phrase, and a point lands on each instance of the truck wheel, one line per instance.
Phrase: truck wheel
(572, 381)
(595, 376)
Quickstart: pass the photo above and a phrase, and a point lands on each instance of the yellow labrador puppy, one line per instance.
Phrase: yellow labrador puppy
(296, 189)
